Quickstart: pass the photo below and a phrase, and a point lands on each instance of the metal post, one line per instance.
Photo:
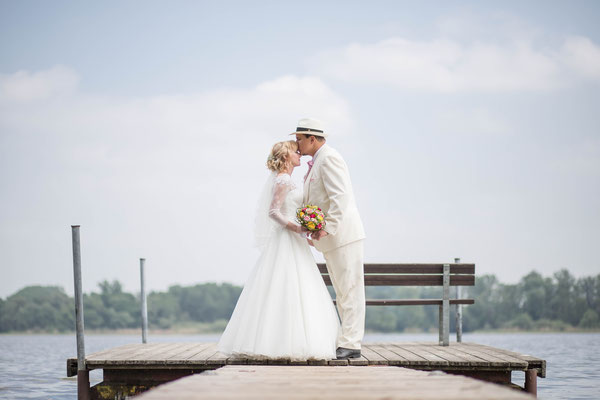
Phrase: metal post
(458, 311)
(446, 307)
(83, 376)
(143, 299)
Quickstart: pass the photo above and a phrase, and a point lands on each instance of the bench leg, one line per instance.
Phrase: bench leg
(441, 325)
(445, 309)
(444, 324)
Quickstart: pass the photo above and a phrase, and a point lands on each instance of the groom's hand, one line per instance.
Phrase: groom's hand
(318, 235)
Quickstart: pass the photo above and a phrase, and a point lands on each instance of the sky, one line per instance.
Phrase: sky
(471, 129)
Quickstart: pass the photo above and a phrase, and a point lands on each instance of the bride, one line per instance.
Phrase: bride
(284, 310)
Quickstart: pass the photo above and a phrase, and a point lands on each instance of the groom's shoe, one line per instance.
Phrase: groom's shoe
(343, 354)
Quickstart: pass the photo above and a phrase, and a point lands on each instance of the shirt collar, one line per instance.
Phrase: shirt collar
(317, 153)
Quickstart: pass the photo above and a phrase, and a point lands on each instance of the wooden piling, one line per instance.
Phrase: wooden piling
(531, 381)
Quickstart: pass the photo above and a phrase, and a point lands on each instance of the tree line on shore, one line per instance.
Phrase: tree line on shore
(558, 303)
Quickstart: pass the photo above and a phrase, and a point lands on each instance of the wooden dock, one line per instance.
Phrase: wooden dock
(133, 368)
(313, 382)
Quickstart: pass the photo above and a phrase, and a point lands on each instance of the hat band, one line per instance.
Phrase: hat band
(307, 130)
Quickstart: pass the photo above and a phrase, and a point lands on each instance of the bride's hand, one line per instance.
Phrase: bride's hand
(295, 228)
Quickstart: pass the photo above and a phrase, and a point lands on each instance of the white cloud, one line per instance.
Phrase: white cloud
(583, 56)
(447, 65)
(474, 121)
(24, 86)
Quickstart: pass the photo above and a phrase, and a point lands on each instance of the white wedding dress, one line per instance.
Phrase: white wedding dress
(284, 310)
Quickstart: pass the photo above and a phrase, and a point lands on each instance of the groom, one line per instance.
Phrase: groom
(327, 185)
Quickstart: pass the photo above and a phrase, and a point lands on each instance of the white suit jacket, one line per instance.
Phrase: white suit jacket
(328, 186)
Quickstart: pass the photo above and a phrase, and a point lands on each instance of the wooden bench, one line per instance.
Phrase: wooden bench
(444, 275)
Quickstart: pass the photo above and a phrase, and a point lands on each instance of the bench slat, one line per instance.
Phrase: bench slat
(414, 302)
(412, 280)
(412, 268)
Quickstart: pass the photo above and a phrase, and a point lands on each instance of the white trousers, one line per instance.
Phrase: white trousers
(346, 269)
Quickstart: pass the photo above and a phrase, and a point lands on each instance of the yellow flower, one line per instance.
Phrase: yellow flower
(311, 225)
(301, 214)
(319, 218)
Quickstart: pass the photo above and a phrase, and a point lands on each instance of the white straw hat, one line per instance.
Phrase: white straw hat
(310, 126)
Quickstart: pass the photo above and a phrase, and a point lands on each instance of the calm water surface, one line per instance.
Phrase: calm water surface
(34, 366)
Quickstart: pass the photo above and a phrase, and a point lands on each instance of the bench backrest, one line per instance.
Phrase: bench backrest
(412, 274)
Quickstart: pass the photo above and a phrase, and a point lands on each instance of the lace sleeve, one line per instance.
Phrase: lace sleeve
(280, 190)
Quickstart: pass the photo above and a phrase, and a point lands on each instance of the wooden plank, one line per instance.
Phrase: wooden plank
(278, 361)
(161, 354)
(414, 360)
(204, 355)
(177, 352)
(388, 353)
(217, 359)
(285, 382)
(492, 360)
(532, 362)
(298, 362)
(118, 356)
(412, 280)
(337, 363)
(411, 268)
(361, 361)
(190, 351)
(372, 356)
(421, 351)
(453, 359)
(148, 357)
(258, 361)
(511, 353)
(471, 359)
(513, 362)
(118, 352)
(237, 360)
(397, 356)
(122, 348)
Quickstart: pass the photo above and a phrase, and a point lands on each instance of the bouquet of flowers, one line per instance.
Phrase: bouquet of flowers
(311, 217)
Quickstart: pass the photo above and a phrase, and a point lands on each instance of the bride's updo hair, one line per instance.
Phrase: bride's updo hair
(280, 154)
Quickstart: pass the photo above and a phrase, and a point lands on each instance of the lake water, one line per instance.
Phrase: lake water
(34, 366)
